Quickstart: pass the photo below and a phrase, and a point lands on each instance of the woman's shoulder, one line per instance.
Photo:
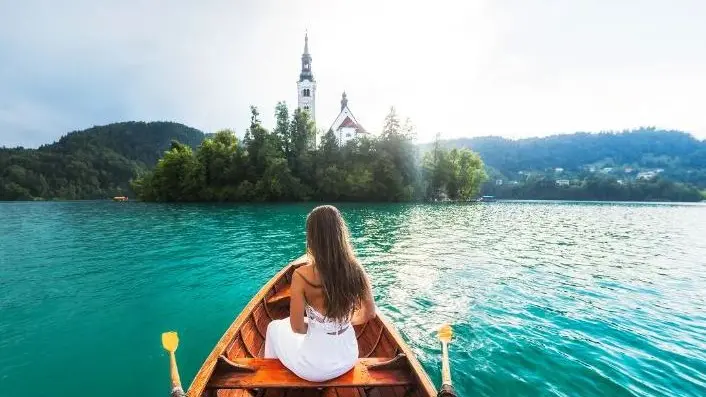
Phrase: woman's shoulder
(308, 273)
(305, 269)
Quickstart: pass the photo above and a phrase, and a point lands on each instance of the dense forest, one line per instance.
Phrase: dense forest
(597, 188)
(678, 155)
(278, 165)
(91, 164)
(283, 165)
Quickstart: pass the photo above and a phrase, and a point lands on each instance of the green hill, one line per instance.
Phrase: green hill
(674, 155)
(95, 163)
(100, 162)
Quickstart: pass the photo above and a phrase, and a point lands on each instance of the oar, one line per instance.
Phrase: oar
(170, 342)
(447, 389)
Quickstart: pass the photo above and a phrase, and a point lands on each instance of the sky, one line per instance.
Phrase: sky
(514, 68)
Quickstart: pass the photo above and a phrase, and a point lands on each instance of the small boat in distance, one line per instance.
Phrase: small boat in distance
(236, 367)
(486, 199)
(120, 198)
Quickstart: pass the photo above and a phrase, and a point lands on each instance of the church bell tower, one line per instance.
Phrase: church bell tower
(306, 86)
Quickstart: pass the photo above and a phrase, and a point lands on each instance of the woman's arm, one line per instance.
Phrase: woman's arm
(296, 305)
(367, 309)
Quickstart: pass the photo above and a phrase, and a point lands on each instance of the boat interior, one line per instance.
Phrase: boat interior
(236, 368)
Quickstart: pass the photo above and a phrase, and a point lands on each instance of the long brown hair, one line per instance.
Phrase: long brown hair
(343, 279)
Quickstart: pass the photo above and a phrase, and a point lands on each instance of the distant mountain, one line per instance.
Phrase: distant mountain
(675, 155)
(94, 163)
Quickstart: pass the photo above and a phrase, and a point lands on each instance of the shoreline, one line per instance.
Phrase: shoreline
(496, 201)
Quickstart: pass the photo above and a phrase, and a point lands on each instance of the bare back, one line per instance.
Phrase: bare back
(307, 289)
(312, 288)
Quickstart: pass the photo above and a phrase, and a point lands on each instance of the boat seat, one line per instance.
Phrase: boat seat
(252, 373)
(280, 296)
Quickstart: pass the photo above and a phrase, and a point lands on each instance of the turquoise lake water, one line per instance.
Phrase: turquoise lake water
(555, 299)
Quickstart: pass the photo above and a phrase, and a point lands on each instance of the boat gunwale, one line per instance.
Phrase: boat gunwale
(198, 384)
(419, 373)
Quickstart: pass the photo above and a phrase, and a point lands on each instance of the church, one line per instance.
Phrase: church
(345, 126)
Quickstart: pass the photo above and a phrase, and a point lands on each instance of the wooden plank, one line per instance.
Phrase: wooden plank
(330, 392)
(272, 373)
(204, 373)
(367, 339)
(260, 319)
(274, 393)
(242, 349)
(376, 344)
(280, 312)
(386, 347)
(267, 310)
(235, 349)
(371, 339)
(360, 329)
(233, 393)
(378, 392)
(259, 344)
(426, 387)
(386, 392)
(303, 393)
(247, 343)
(280, 296)
(344, 392)
(251, 337)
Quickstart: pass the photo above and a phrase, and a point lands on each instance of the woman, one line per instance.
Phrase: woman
(334, 292)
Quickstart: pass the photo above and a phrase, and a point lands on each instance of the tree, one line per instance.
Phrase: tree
(391, 125)
(409, 130)
(397, 173)
(282, 130)
(329, 152)
(471, 175)
(454, 174)
(300, 160)
(261, 146)
(220, 159)
(177, 176)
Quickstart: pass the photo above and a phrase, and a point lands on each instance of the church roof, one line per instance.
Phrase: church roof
(345, 119)
(348, 122)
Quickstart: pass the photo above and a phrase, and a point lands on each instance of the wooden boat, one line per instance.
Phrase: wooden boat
(235, 367)
(119, 198)
(486, 199)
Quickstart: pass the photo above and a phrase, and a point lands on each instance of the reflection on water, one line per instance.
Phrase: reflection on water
(588, 299)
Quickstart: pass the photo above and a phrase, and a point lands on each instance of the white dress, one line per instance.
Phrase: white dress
(328, 349)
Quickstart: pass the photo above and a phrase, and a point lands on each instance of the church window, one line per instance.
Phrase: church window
(306, 92)
(306, 107)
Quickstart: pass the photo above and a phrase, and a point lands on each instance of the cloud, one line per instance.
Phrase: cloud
(513, 68)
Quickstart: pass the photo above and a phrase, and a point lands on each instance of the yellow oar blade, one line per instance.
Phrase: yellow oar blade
(170, 341)
(445, 333)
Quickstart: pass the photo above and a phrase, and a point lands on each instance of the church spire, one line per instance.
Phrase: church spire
(306, 43)
(344, 101)
(306, 73)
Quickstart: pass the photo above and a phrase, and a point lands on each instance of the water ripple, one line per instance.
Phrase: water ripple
(557, 299)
